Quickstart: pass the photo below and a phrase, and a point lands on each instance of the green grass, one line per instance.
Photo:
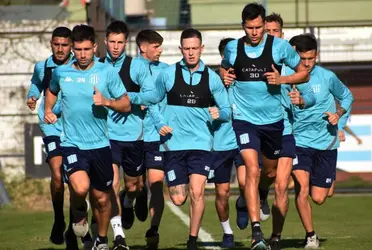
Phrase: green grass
(343, 222)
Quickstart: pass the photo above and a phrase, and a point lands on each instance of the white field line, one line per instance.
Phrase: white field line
(203, 235)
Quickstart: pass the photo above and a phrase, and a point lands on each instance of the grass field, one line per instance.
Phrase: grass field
(343, 222)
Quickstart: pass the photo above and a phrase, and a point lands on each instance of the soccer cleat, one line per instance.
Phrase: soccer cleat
(258, 242)
(80, 223)
(56, 236)
(102, 246)
(87, 242)
(120, 243)
(140, 208)
(228, 241)
(71, 240)
(127, 213)
(312, 242)
(264, 210)
(242, 218)
(152, 239)
(191, 245)
(275, 244)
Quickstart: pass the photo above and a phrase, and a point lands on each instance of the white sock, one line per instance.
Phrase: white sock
(116, 226)
(128, 202)
(226, 227)
(241, 201)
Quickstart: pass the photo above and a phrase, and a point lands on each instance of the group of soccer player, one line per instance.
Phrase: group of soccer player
(271, 112)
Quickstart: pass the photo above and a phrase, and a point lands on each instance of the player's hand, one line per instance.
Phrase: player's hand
(214, 112)
(229, 77)
(99, 99)
(143, 107)
(165, 130)
(341, 135)
(50, 117)
(295, 96)
(332, 118)
(273, 77)
(31, 103)
(359, 141)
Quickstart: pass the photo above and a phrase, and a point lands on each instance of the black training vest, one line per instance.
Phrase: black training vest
(187, 95)
(253, 69)
(124, 74)
(47, 76)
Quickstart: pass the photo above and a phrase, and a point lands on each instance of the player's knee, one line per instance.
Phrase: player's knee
(81, 190)
(281, 188)
(103, 202)
(131, 186)
(223, 193)
(330, 194)
(319, 200)
(196, 194)
(178, 200)
(303, 192)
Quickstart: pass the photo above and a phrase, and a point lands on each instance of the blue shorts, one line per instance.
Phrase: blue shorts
(288, 147)
(321, 164)
(264, 138)
(178, 165)
(129, 155)
(52, 146)
(153, 158)
(222, 165)
(96, 162)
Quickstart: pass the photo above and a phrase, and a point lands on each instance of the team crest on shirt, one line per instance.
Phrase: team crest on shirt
(93, 79)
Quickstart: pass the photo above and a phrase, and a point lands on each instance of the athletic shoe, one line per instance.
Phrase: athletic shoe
(120, 244)
(242, 217)
(191, 245)
(80, 223)
(258, 242)
(102, 246)
(264, 210)
(275, 244)
(228, 241)
(56, 236)
(71, 240)
(140, 208)
(312, 242)
(127, 213)
(152, 239)
(87, 242)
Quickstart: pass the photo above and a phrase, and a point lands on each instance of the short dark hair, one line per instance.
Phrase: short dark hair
(149, 36)
(190, 33)
(223, 43)
(304, 42)
(252, 11)
(61, 31)
(117, 27)
(274, 17)
(82, 33)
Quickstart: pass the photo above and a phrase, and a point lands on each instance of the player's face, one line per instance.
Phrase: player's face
(115, 44)
(84, 52)
(274, 29)
(61, 48)
(151, 51)
(308, 59)
(191, 49)
(254, 30)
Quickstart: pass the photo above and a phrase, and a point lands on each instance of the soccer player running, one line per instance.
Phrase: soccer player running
(126, 130)
(303, 97)
(315, 131)
(87, 89)
(189, 87)
(61, 49)
(149, 43)
(256, 60)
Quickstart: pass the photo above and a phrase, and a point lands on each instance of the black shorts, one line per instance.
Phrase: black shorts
(129, 155)
(52, 146)
(262, 138)
(288, 147)
(153, 158)
(179, 165)
(96, 162)
(222, 165)
(321, 164)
